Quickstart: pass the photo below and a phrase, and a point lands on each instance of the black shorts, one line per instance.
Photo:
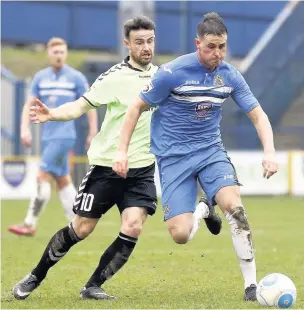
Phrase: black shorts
(102, 188)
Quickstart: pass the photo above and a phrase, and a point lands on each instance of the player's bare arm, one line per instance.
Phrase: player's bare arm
(25, 132)
(120, 165)
(265, 133)
(40, 113)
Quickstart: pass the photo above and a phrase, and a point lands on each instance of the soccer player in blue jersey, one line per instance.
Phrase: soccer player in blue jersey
(188, 94)
(54, 85)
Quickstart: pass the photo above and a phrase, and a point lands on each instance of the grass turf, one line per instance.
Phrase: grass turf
(160, 274)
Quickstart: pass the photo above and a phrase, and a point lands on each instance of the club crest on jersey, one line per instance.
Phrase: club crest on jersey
(203, 108)
(148, 87)
(218, 80)
(14, 172)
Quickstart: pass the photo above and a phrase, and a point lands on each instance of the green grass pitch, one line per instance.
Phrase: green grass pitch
(160, 274)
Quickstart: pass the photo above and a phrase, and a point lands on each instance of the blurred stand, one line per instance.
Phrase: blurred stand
(128, 10)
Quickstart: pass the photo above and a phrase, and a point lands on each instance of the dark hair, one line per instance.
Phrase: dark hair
(211, 24)
(140, 22)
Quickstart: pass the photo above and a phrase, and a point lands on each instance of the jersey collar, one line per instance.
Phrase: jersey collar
(126, 61)
(60, 71)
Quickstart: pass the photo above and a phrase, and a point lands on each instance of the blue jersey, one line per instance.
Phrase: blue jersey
(188, 98)
(54, 89)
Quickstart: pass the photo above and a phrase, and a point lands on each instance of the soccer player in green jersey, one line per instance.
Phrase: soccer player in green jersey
(102, 188)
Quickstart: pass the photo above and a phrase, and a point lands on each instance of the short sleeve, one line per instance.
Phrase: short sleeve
(82, 85)
(100, 93)
(34, 87)
(159, 89)
(242, 94)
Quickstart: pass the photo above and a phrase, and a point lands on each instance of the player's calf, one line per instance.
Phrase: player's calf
(56, 249)
(112, 260)
(38, 203)
(243, 245)
(67, 195)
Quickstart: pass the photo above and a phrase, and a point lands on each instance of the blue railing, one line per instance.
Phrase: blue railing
(18, 100)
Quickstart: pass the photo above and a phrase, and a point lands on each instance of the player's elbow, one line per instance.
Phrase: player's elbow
(140, 105)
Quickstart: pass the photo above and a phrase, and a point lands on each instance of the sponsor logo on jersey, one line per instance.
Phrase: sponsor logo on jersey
(192, 82)
(202, 108)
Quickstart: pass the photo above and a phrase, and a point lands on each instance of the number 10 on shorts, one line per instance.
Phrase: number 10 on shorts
(87, 202)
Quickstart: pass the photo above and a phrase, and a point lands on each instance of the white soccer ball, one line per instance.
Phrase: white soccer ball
(276, 290)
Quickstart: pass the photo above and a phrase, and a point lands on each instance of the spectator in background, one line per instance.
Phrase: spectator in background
(54, 85)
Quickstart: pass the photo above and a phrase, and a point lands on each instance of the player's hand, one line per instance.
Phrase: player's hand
(26, 137)
(120, 164)
(39, 112)
(270, 165)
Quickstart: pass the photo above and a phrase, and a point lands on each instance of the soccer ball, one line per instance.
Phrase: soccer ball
(276, 290)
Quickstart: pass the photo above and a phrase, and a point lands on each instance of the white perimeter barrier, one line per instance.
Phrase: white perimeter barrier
(297, 173)
(18, 177)
(249, 170)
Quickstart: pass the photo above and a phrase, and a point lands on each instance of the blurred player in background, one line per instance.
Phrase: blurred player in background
(102, 188)
(54, 85)
(185, 130)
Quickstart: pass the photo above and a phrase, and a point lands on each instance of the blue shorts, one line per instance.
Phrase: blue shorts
(55, 156)
(179, 176)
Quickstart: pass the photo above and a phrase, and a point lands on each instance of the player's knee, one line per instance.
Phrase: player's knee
(228, 198)
(44, 191)
(179, 234)
(83, 226)
(230, 204)
(43, 176)
(132, 227)
(63, 182)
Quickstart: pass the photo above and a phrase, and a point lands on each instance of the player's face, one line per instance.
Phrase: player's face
(211, 50)
(141, 46)
(57, 55)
